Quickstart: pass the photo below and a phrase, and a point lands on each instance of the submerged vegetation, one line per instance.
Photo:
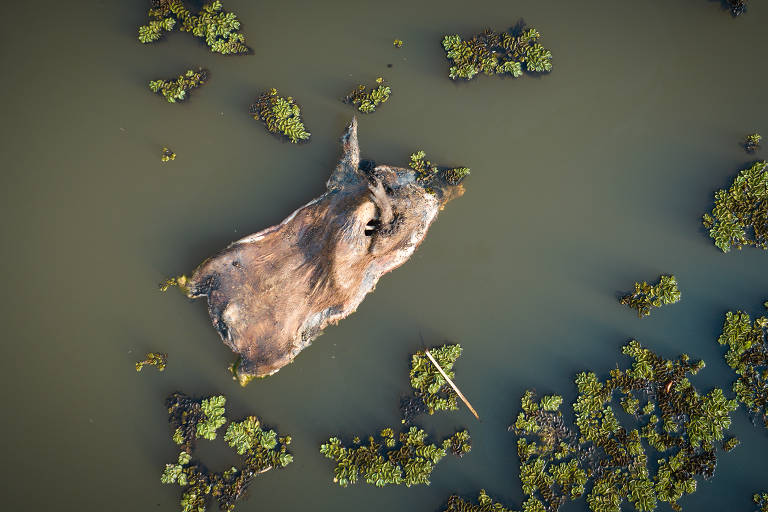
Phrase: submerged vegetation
(386, 462)
(646, 296)
(156, 359)
(192, 419)
(366, 101)
(431, 391)
(167, 155)
(281, 115)
(740, 215)
(219, 28)
(176, 90)
(748, 356)
(497, 53)
(605, 461)
(752, 142)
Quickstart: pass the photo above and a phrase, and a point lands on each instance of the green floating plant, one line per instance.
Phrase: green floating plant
(496, 53)
(752, 142)
(748, 357)
(281, 115)
(761, 501)
(646, 297)
(484, 504)
(740, 215)
(219, 29)
(176, 90)
(156, 359)
(397, 43)
(609, 463)
(387, 462)
(167, 155)
(428, 384)
(427, 173)
(366, 101)
(260, 449)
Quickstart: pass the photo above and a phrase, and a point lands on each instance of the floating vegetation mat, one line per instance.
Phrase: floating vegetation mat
(484, 504)
(156, 359)
(761, 501)
(646, 296)
(167, 155)
(431, 392)
(193, 419)
(752, 142)
(740, 215)
(497, 53)
(176, 90)
(219, 28)
(748, 356)
(366, 100)
(427, 173)
(406, 459)
(281, 115)
(608, 463)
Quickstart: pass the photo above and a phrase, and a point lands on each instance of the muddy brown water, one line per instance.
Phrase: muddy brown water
(582, 181)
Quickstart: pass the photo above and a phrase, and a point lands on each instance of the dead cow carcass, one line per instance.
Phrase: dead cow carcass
(271, 293)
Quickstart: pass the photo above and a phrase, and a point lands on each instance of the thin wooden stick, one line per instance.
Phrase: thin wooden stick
(455, 388)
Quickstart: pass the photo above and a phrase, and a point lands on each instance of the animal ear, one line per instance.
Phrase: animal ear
(347, 169)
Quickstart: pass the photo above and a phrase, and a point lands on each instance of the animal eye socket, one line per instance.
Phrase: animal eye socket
(371, 227)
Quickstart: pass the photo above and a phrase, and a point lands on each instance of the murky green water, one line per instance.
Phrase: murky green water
(582, 182)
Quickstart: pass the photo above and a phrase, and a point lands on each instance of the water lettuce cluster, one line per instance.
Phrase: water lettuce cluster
(281, 115)
(752, 142)
(426, 172)
(397, 43)
(646, 296)
(748, 356)
(156, 359)
(428, 384)
(365, 100)
(176, 90)
(405, 459)
(740, 215)
(219, 28)
(193, 419)
(497, 53)
(608, 462)
(167, 155)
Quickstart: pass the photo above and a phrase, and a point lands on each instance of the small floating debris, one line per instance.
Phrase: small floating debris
(281, 115)
(176, 90)
(156, 359)
(646, 297)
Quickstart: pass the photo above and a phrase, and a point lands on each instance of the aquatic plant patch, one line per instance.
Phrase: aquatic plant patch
(193, 419)
(167, 155)
(497, 53)
(752, 142)
(484, 504)
(429, 386)
(740, 215)
(176, 90)
(156, 359)
(366, 100)
(406, 459)
(281, 115)
(609, 463)
(219, 28)
(747, 356)
(428, 173)
(646, 297)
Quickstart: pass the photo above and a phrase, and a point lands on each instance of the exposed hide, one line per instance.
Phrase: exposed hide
(271, 293)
